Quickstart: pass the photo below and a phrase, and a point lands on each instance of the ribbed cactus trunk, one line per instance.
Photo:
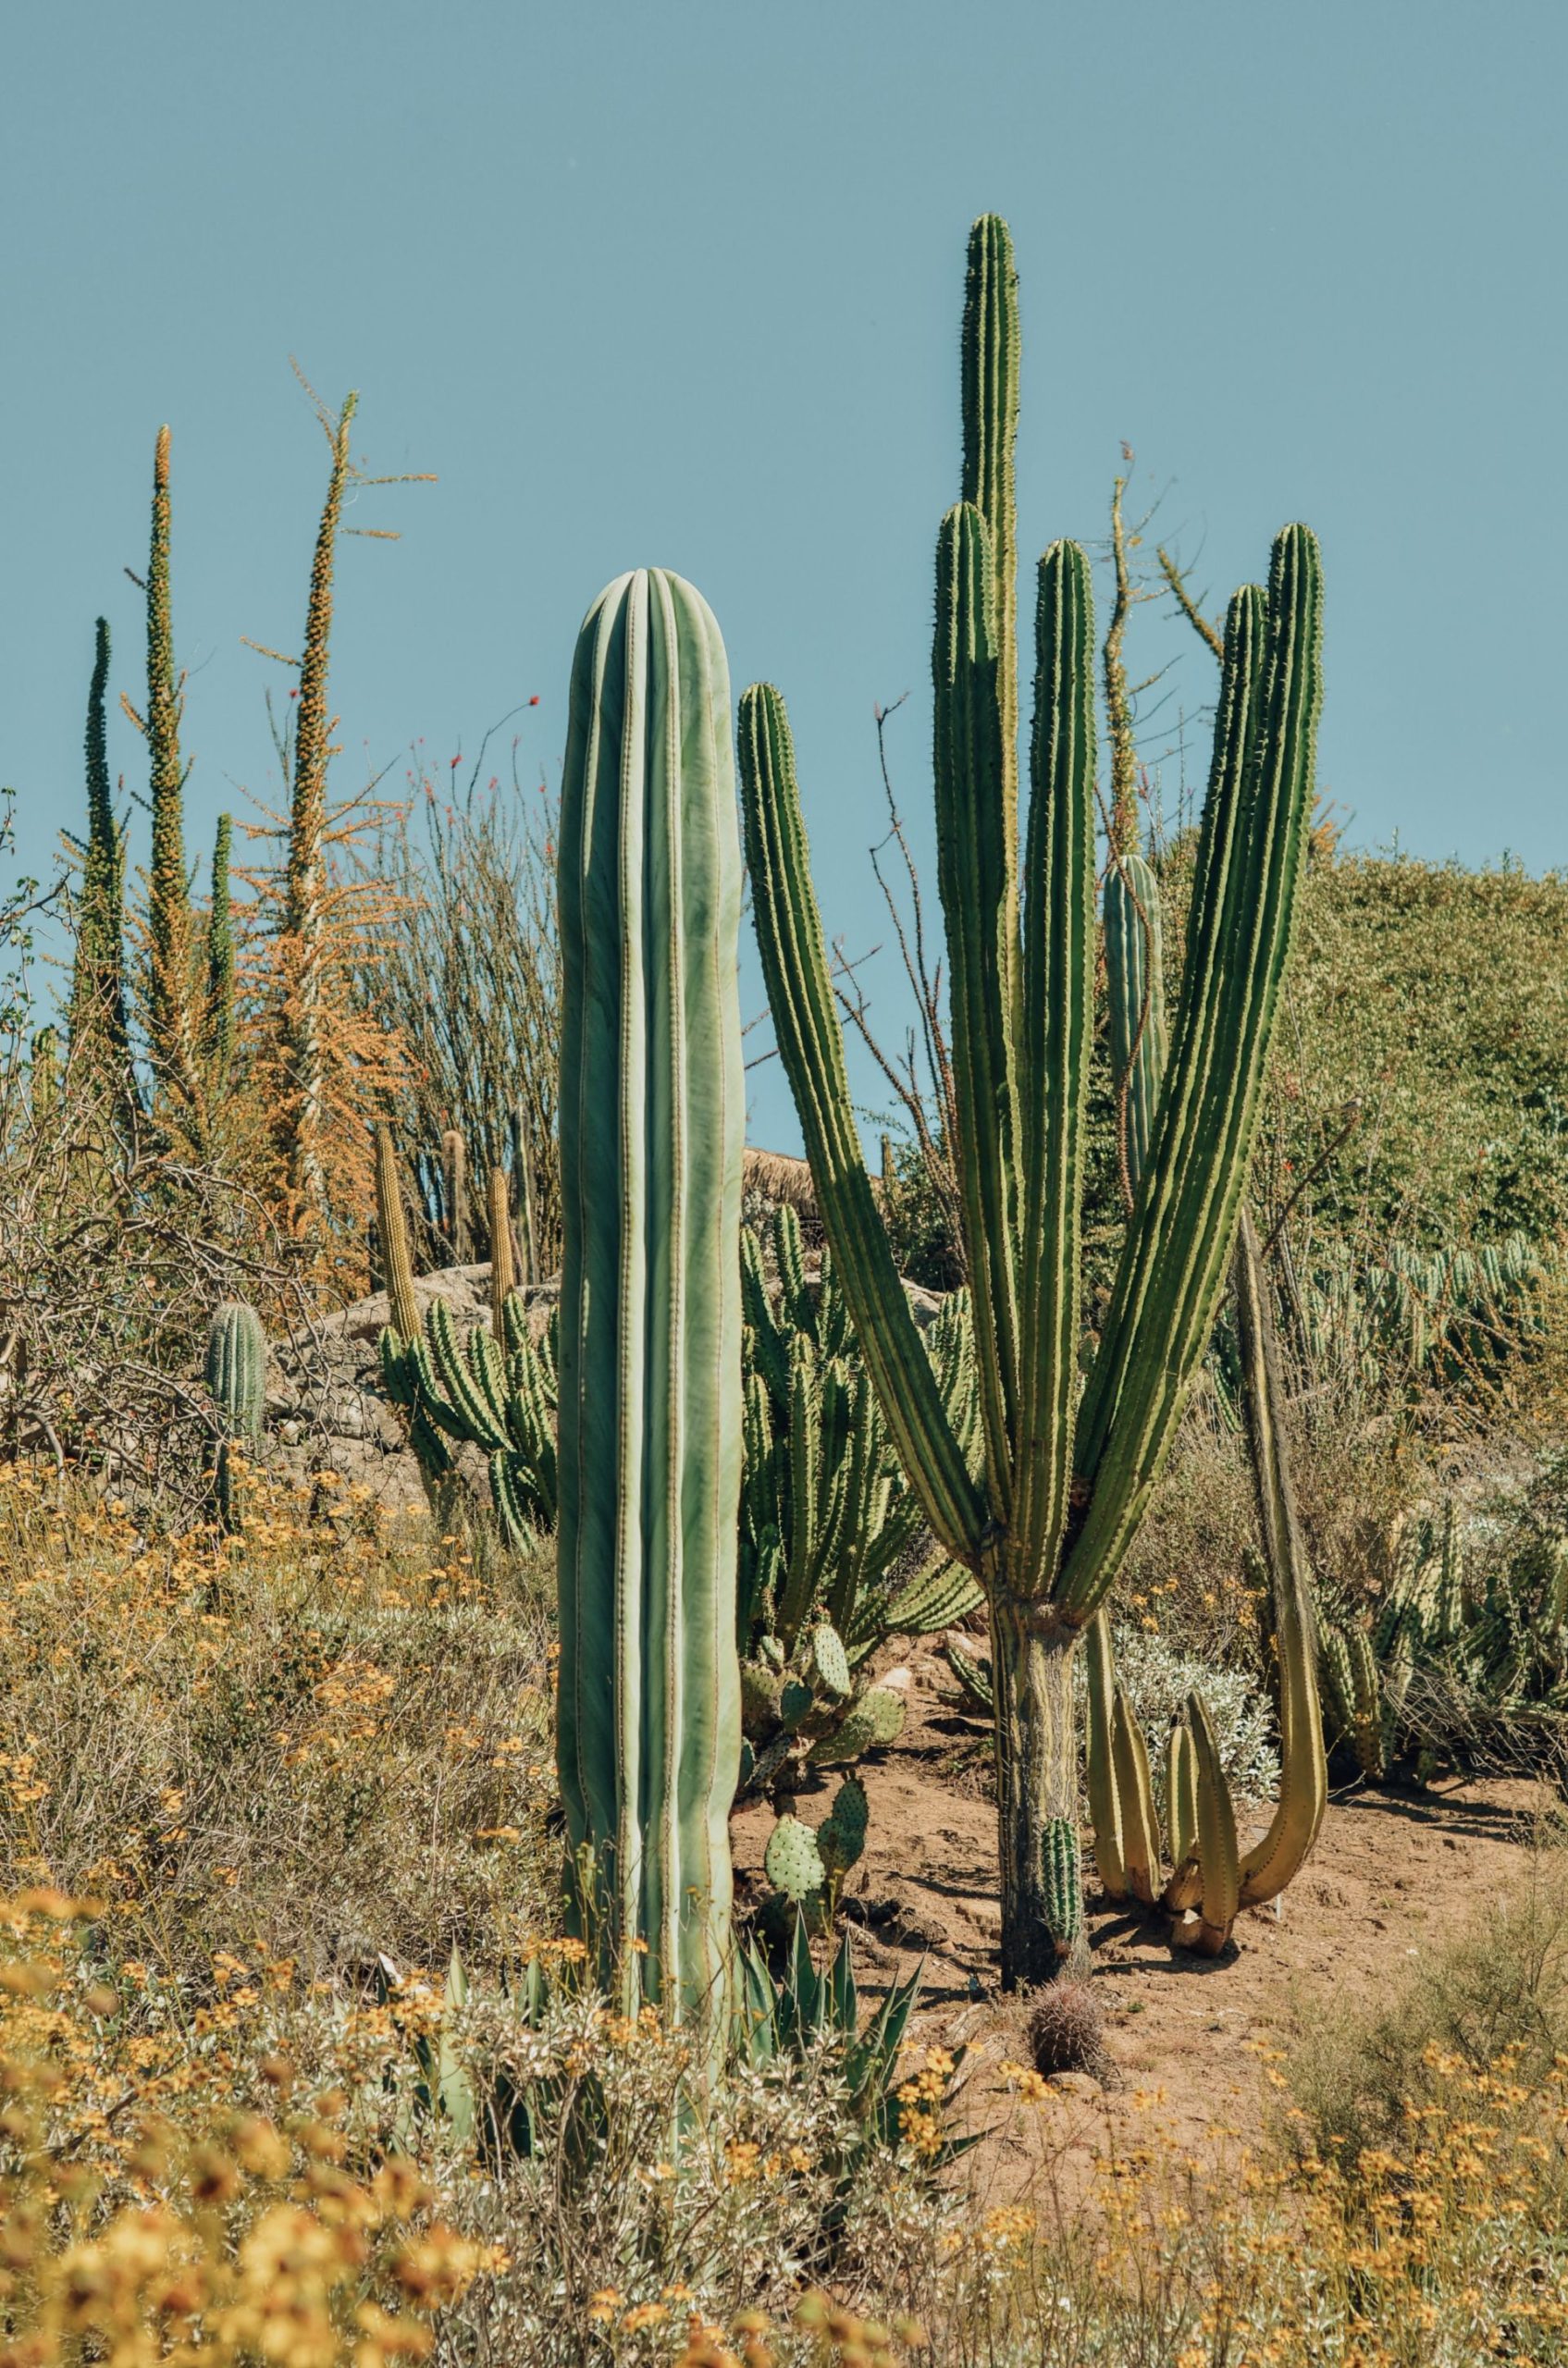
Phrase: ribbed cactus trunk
(652, 1108)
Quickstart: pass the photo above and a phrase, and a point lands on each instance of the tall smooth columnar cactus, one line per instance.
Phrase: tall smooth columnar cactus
(1047, 1517)
(652, 1118)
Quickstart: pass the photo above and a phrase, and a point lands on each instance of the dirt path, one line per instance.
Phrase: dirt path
(1390, 1876)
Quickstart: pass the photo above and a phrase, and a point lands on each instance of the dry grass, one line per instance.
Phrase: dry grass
(327, 1737)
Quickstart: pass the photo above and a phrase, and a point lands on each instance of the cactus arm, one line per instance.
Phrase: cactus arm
(652, 1120)
(978, 889)
(990, 345)
(1058, 1024)
(789, 937)
(1104, 1799)
(1303, 1766)
(1250, 861)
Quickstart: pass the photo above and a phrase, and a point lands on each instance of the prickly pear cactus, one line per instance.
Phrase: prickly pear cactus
(870, 1724)
(792, 1862)
(841, 1837)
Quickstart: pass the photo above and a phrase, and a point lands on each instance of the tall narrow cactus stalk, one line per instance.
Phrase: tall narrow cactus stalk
(303, 921)
(652, 1117)
(523, 1172)
(221, 960)
(503, 1266)
(454, 1193)
(1047, 1519)
(391, 1223)
(100, 1037)
(173, 1028)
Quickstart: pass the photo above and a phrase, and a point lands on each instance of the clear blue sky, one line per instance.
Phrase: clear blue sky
(677, 281)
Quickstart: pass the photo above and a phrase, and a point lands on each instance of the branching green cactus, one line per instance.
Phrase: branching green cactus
(502, 1396)
(1443, 1654)
(653, 1123)
(1063, 1477)
(1449, 1319)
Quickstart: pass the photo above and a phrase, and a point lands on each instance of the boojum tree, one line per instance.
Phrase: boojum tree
(1046, 1516)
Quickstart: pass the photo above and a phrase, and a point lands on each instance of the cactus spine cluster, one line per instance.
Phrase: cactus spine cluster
(1048, 1521)
(653, 1122)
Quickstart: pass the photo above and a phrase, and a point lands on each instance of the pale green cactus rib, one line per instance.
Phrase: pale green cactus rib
(800, 997)
(1303, 1766)
(652, 1117)
(976, 877)
(991, 347)
(1168, 1287)
(1135, 995)
(1059, 1026)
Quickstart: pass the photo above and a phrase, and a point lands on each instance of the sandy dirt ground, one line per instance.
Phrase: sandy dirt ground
(1192, 2041)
